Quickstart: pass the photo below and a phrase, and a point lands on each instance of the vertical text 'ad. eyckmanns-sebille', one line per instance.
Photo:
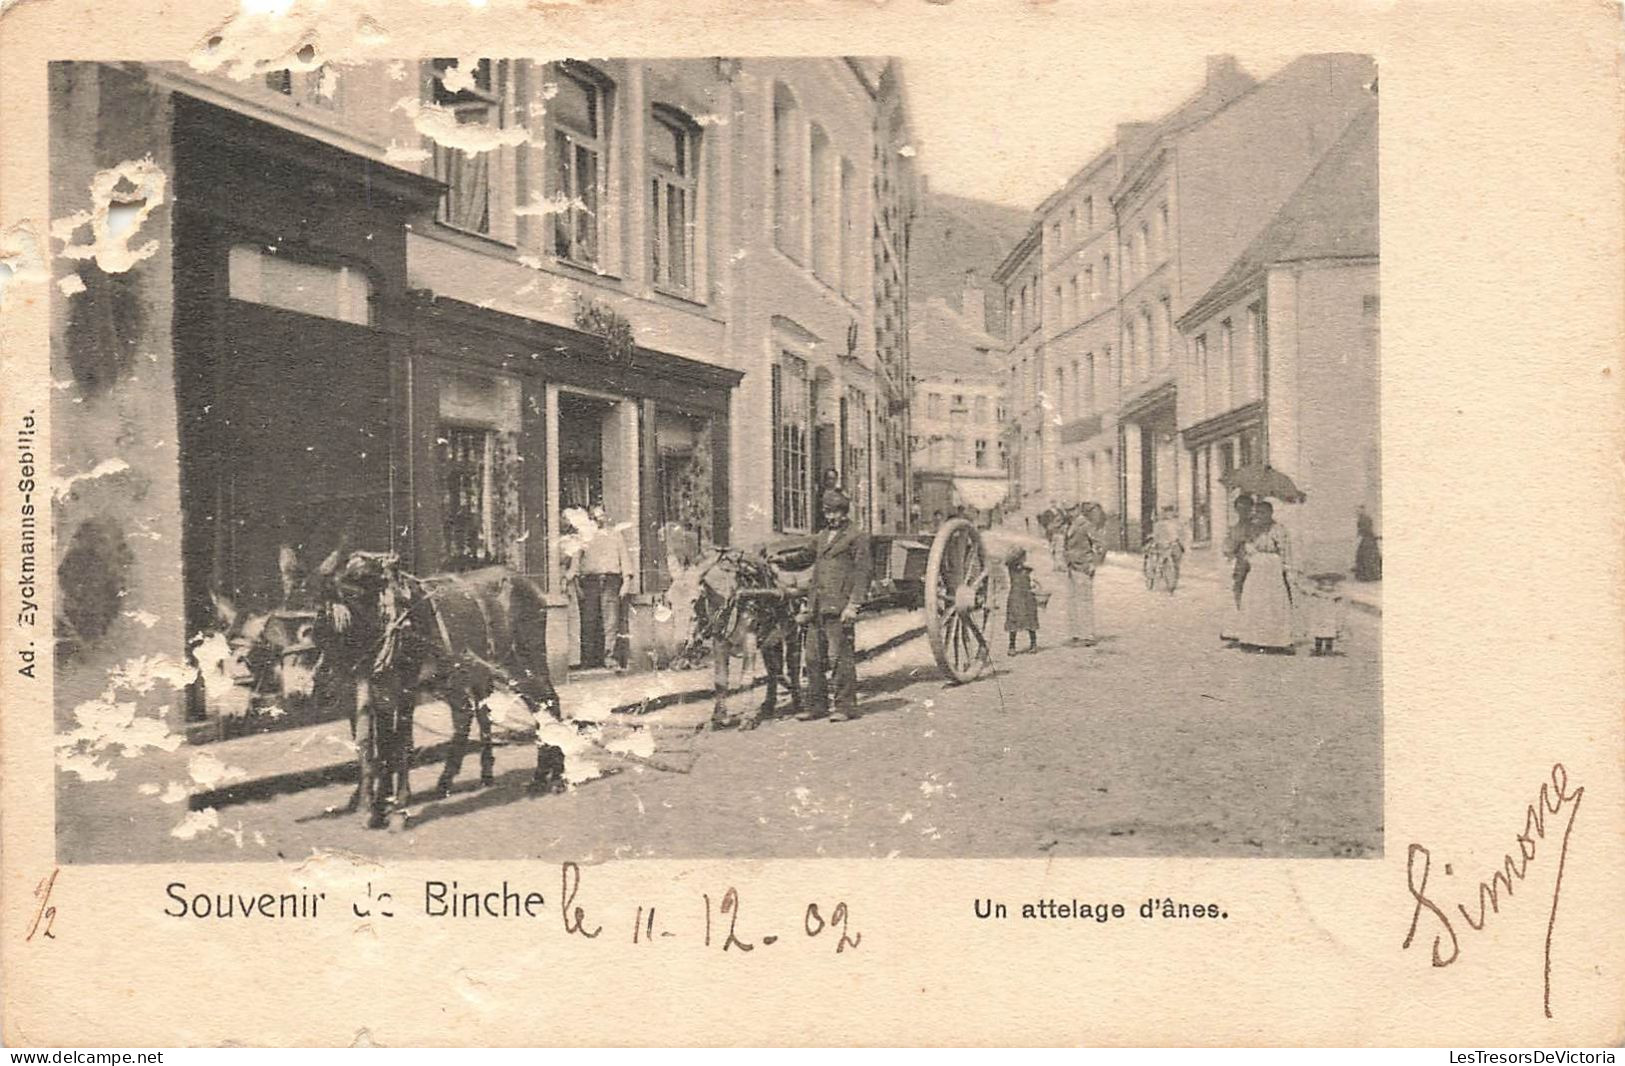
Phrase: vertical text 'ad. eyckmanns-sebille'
(26, 544)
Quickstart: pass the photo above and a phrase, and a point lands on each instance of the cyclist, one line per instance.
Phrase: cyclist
(1164, 549)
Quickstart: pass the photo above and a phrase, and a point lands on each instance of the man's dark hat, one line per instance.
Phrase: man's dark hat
(835, 500)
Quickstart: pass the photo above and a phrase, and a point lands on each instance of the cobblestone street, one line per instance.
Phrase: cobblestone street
(1158, 741)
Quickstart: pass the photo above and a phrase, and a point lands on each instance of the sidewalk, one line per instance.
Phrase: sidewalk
(1204, 565)
(290, 760)
(1209, 566)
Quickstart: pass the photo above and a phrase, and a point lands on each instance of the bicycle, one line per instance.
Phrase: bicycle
(1161, 563)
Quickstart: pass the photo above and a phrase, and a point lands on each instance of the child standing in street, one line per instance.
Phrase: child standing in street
(1021, 610)
(1325, 610)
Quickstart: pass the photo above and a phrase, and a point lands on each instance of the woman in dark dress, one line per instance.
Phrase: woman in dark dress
(1367, 555)
(1021, 610)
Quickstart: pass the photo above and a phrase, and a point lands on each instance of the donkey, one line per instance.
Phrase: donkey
(739, 596)
(451, 636)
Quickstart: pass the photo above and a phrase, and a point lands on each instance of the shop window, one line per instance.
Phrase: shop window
(257, 276)
(481, 97)
(684, 456)
(792, 417)
(1201, 498)
(478, 446)
(673, 161)
(856, 430)
(578, 138)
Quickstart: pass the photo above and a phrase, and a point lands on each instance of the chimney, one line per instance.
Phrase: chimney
(972, 302)
(1221, 68)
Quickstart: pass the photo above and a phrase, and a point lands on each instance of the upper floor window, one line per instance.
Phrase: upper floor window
(673, 162)
(578, 138)
(1227, 353)
(852, 257)
(981, 409)
(1106, 276)
(788, 213)
(1089, 213)
(1165, 311)
(480, 94)
(1162, 230)
(824, 206)
(1144, 246)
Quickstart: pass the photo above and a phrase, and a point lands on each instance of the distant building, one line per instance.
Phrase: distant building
(1284, 358)
(1183, 197)
(958, 446)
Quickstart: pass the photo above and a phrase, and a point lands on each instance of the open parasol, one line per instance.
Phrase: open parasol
(1260, 479)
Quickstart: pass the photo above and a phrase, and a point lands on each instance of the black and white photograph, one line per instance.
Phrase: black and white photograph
(761, 457)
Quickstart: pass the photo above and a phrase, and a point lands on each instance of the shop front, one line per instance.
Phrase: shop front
(1149, 460)
(291, 356)
(538, 431)
(1218, 446)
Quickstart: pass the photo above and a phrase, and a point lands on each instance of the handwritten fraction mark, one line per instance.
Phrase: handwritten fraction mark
(47, 913)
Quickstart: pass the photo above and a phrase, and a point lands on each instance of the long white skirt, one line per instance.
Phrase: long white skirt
(1229, 611)
(1266, 610)
(1080, 605)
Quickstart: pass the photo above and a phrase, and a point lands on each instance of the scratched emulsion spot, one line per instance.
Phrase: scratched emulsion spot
(122, 198)
(92, 579)
(22, 259)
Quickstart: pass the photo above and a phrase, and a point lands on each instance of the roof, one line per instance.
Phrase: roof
(1332, 215)
(942, 344)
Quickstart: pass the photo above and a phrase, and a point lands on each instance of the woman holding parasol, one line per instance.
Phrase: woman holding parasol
(1266, 592)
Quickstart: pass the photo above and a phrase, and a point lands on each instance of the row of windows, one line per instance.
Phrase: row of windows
(937, 405)
(484, 190)
(1228, 374)
(1091, 477)
(1079, 222)
(944, 453)
(1146, 246)
(816, 199)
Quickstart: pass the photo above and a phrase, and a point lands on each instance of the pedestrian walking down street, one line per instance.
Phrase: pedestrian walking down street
(1084, 551)
(1021, 609)
(1266, 597)
(1235, 544)
(840, 581)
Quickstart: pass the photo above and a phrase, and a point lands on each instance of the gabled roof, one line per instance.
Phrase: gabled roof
(942, 344)
(1332, 215)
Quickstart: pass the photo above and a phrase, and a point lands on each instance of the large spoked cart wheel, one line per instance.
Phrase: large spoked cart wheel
(958, 604)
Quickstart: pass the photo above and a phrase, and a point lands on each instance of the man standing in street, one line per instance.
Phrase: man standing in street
(840, 581)
(606, 570)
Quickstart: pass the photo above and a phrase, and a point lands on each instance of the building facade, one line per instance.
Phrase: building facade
(1285, 353)
(1183, 197)
(430, 308)
(959, 450)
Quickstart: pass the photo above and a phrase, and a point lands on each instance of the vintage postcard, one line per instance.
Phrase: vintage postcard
(844, 523)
